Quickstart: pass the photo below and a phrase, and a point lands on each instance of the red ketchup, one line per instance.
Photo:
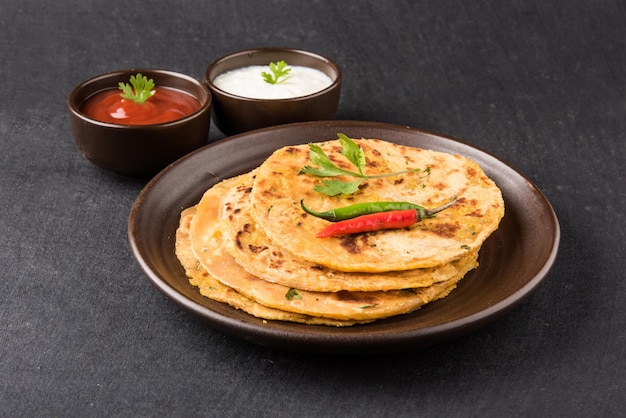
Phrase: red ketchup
(165, 105)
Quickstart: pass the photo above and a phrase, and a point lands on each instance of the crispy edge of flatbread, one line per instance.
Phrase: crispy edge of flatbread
(213, 289)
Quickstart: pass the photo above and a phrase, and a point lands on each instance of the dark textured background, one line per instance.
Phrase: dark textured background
(539, 84)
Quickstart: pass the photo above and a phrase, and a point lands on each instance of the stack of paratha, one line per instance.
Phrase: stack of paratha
(249, 244)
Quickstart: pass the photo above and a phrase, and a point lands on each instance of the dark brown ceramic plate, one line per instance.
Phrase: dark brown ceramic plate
(513, 261)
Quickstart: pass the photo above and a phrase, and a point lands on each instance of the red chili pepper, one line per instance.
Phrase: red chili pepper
(395, 219)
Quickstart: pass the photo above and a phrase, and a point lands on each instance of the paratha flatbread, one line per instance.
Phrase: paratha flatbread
(216, 290)
(206, 240)
(260, 257)
(278, 189)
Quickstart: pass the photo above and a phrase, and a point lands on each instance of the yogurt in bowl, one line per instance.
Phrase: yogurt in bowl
(249, 82)
(243, 100)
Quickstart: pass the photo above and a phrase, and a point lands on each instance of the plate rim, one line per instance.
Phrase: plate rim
(276, 334)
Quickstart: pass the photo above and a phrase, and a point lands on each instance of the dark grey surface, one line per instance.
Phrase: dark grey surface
(541, 85)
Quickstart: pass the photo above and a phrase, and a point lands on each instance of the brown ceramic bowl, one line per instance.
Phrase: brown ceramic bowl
(234, 114)
(139, 150)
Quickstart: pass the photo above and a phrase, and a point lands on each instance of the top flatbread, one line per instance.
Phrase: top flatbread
(259, 256)
(278, 189)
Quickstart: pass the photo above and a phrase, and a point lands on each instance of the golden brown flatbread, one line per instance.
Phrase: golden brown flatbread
(260, 257)
(216, 290)
(462, 228)
(207, 238)
(249, 244)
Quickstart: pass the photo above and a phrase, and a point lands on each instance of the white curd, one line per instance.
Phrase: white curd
(248, 82)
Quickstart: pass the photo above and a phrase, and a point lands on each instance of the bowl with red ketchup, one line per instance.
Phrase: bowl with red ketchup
(135, 122)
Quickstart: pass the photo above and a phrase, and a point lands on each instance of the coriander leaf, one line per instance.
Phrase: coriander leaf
(140, 91)
(352, 152)
(334, 187)
(326, 168)
(268, 78)
(292, 294)
(278, 69)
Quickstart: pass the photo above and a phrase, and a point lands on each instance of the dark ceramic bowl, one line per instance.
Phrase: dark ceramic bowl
(139, 150)
(234, 114)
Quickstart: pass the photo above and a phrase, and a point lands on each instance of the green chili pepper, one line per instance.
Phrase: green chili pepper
(360, 209)
(376, 221)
